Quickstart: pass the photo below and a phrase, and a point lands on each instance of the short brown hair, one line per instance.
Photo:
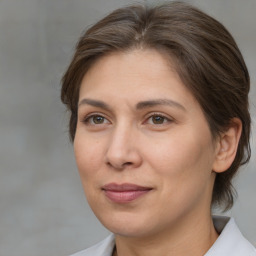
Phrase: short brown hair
(206, 58)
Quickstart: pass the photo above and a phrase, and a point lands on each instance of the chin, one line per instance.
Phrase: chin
(125, 224)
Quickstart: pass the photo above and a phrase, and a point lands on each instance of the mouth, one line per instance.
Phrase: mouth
(124, 193)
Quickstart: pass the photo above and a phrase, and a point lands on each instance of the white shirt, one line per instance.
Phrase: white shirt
(229, 243)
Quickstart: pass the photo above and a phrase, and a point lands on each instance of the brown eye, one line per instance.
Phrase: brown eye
(98, 119)
(158, 119)
(95, 120)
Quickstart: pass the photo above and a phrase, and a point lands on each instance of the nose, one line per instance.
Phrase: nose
(123, 151)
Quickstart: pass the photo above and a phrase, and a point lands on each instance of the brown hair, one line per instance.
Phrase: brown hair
(206, 58)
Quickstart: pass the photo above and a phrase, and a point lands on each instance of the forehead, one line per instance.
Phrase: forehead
(134, 61)
(134, 76)
(122, 68)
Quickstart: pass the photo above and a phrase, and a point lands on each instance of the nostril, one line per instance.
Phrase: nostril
(121, 158)
(119, 166)
(127, 164)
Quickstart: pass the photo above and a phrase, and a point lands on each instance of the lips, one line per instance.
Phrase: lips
(124, 193)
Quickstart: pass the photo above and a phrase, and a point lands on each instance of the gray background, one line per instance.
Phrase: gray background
(42, 207)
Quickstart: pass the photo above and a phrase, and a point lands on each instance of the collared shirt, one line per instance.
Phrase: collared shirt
(229, 243)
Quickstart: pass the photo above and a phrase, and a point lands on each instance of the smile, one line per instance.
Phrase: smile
(124, 193)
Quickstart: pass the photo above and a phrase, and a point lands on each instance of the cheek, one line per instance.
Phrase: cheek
(183, 159)
(183, 168)
(88, 156)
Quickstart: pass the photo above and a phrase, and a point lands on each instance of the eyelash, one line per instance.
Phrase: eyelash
(88, 119)
(166, 119)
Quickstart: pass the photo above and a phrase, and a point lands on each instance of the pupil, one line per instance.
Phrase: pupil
(157, 120)
(98, 119)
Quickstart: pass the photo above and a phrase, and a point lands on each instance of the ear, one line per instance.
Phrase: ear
(227, 145)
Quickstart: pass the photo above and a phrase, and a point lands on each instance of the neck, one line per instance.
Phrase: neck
(190, 238)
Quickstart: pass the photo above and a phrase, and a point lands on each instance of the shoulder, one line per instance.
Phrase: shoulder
(230, 240)
(103, 248)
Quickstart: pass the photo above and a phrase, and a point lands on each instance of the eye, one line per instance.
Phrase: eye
(95, 120)
(158, 119)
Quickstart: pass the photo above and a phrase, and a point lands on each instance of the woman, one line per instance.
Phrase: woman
(160, 124)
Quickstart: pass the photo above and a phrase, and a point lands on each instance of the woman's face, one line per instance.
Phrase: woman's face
(143, 146)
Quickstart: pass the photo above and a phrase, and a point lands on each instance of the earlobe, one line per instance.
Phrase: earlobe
(227, 146)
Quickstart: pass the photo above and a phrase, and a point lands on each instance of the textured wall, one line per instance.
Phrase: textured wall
(42, 206)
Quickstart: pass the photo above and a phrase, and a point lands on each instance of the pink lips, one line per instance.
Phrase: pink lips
(124, 193)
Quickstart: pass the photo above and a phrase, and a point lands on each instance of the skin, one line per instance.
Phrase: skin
(167, 147)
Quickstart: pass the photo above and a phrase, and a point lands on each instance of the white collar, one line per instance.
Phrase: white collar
(230, 240)
(229, 243)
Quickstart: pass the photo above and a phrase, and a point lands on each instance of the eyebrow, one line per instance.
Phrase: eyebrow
(94, 103)
(139, 105)
(159, 102)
